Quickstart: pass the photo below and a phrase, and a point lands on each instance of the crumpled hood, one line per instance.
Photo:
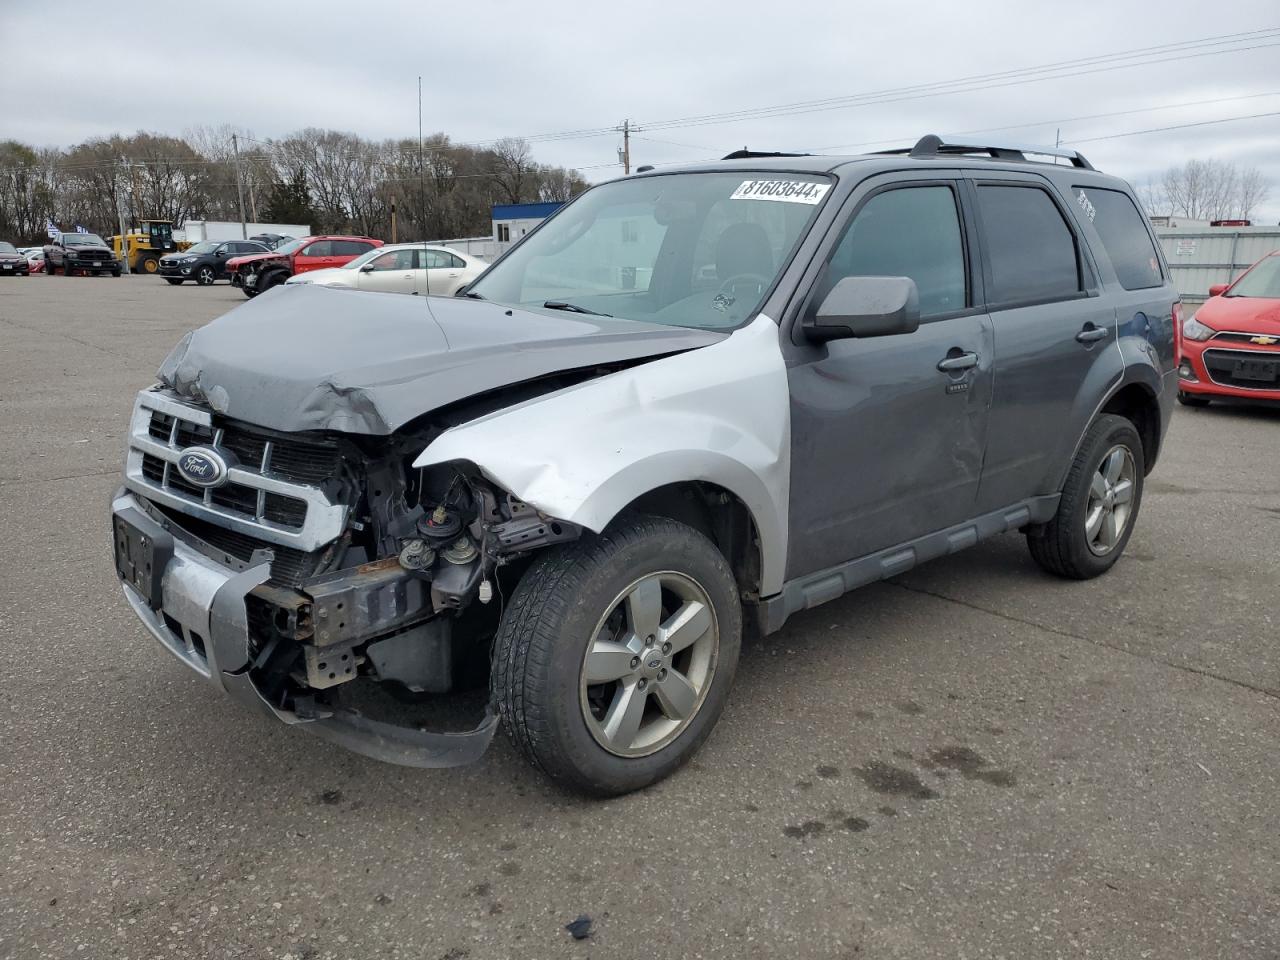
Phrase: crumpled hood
(242, 259)
(304, 357)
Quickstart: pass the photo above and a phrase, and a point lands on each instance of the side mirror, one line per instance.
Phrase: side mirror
(367, 268)
(1218, 289)
(865, 307)
(220, 253)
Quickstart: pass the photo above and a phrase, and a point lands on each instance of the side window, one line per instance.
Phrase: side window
(321, 248)
(908, 232)
(349, 248)
(395, 260)
(1031, 250)
(456, 262)
(1124, 236)
(434, 259)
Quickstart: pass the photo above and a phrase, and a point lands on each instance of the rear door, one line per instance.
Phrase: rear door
(443, 273)
(887, 433)
(1052, 330)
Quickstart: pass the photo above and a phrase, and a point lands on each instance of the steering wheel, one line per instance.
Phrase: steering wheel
(729, 287)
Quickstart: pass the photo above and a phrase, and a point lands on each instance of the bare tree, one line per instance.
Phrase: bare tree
(1213, 190)
(1252, 191)
(511, 168)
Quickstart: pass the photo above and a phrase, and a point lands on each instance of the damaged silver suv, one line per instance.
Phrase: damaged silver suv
(693, 402)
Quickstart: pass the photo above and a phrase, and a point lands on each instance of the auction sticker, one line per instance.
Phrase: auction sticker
(788, 191)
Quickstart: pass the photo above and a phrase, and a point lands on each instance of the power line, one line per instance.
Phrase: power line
(1042, 123)
(1176, 126)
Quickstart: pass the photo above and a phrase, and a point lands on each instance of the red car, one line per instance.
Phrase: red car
(1231, 346)
(261, 271)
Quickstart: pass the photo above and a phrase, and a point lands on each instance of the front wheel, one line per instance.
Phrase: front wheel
(615, 657)
(205, 276)
(174, 281)
(1099, 504)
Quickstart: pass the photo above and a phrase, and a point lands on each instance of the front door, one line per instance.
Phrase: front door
(1051, 328)
(315, 256)
(887, 433)
(393, 272)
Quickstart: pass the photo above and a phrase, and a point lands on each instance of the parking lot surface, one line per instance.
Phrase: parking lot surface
(974, 760)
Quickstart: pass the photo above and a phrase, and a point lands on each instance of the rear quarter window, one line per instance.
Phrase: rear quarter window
(1124, 236)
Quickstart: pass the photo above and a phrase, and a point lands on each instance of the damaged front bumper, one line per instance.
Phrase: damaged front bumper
(196, 608)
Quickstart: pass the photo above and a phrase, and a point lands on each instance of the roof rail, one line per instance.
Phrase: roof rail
(931, 145)
(745, 154)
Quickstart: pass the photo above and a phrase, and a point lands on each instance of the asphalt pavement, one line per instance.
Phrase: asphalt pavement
(974, 760)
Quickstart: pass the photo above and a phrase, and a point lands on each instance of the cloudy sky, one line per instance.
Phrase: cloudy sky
(575, 67)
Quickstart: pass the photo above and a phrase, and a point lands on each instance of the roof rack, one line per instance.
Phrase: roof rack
(931, 145)
(745, 154)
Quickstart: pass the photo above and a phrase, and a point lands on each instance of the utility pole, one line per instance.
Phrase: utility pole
(624, 154)
(244, 228)
(422, 171)
(253, 200)
(124, 237)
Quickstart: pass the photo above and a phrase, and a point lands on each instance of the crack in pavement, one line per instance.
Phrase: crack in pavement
(18, 481)
(1199, 671)
(67, 336)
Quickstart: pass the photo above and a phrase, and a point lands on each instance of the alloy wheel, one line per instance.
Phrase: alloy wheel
(650, 664)
(1111, 492)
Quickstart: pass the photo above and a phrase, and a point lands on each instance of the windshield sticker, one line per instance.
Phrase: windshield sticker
(788, 191)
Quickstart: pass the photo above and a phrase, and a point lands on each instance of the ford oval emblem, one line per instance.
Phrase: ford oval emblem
(202, 466)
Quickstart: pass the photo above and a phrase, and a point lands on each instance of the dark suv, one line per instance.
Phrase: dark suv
(691, 401)
(207, 261)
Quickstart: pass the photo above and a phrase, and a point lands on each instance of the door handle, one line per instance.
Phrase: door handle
(963, 361)
(1091, 334)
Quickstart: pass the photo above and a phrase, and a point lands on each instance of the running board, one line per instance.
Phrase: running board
(824, 585)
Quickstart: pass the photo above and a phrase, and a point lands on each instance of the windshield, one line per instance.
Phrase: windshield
(690, 250)
(8, 248)
(291, 246)
(205, 246)
(82, 240)
(1262, 281)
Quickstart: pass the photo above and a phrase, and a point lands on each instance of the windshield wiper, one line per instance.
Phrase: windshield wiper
(471, 294)
(573, 308)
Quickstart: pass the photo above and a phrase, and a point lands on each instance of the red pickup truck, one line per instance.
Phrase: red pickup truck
(261, 271)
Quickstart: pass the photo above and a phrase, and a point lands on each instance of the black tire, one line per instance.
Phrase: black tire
(1061, 546)
(205, 276)
(1191, 400)
(542, 642)
(149, 264)
(174, 281)
(115, 273)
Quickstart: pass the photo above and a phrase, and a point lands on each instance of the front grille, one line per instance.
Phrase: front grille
(1230, 336)
(289, 568)
(273, 489)
(1221, 366)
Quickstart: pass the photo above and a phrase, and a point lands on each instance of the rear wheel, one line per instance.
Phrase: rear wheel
(615, 657)
(205, 276)
(1099, 503)
(1191, 400)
